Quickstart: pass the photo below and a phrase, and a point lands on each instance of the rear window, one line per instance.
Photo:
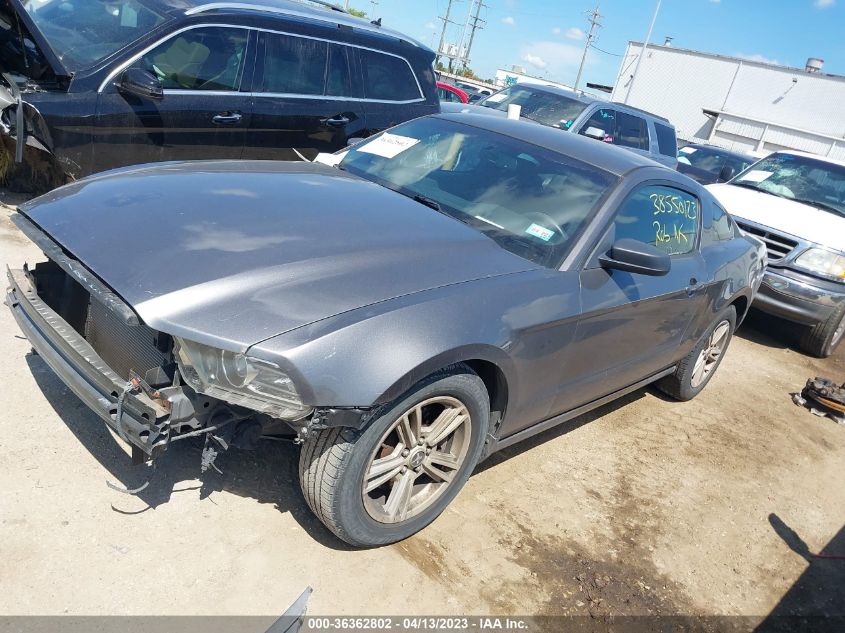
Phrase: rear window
(667, 143)
(388, 78)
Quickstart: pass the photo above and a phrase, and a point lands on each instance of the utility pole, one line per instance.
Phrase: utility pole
(642, 52)
(594, 16)
(475, 20)
(446, 23)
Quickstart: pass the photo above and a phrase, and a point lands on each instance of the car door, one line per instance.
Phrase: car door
(305, 98)
(633, 325)
(203, 112)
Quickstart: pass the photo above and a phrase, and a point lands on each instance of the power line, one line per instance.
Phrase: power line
(601, 50)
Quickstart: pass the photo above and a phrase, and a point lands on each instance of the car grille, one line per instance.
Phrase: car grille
(123, 347)
(778, 246)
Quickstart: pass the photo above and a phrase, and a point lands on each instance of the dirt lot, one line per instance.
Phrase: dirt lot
(644, 506)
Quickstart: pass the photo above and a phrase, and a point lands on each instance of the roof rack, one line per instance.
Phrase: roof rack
(257, 6)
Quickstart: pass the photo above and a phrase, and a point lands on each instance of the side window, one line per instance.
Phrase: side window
(664, 217)
(603, 119)
(210, 58)
(388, 78)
(293, 65)
(667, 142)
(631, 131)
(339, 81)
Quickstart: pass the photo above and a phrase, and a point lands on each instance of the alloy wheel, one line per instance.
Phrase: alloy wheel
(709, 356)
(416, 459)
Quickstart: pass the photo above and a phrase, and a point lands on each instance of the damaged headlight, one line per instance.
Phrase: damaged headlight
(822, 262)
(238, 379)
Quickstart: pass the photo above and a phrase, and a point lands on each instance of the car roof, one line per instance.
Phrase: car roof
(610, 158)
(321, 10)
(730, 152)
(583, 98)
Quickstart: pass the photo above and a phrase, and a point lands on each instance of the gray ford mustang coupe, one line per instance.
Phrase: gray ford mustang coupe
(451, 287)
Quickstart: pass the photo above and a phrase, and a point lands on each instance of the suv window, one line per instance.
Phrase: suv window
(664, 217)
(631, 131)
(667, 142)
(388, 78)
(294, 65)
(210, 58)
(339, 75)
(603, 119)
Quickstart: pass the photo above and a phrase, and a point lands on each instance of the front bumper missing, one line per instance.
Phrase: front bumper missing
(144, 422)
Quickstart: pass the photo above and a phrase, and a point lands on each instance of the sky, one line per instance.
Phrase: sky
(547, 37)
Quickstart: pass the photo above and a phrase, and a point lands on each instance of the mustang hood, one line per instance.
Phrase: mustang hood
(232, 253)
(794, 218)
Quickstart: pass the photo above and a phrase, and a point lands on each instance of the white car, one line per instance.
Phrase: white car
(795, 203)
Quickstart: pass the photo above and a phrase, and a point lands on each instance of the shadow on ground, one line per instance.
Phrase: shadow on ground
(816, 601)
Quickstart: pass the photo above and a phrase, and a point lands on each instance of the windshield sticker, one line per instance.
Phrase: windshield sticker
(496, 98)
(756, 175)
(330, 159)
(388, 145)
(538, 231)
(688, 150)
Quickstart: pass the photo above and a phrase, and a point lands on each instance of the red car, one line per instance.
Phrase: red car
(448, 92)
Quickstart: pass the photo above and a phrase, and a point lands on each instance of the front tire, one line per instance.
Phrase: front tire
(699, 366)
(383, 484)
(823, 338)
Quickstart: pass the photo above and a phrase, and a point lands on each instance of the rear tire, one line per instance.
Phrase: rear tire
(699, 366)
(383, 484)
(823, 338)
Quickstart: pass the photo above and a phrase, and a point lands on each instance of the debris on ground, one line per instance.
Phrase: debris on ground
(824, 398)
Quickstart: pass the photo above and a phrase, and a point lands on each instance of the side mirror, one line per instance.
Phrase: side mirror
(726, 173)
(595, 132)
(141, 83)
(635, 256)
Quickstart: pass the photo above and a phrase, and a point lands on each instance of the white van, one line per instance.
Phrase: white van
(795, 203)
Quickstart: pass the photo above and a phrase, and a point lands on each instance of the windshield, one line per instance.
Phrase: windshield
(711, 160)
(82, 32)
(801, 178)
(544, 107)
(529, 200)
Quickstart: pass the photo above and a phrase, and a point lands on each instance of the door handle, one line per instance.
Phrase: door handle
(336, 121)
(228, 118)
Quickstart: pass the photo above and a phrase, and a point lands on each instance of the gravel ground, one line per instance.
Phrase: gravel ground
(643, 506)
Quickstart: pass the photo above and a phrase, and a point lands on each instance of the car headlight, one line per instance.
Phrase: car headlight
(239, 379)
(823, 262)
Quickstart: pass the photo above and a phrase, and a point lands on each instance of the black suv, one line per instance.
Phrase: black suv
(107, 84)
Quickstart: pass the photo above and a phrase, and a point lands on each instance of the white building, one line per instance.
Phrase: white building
(736, 103)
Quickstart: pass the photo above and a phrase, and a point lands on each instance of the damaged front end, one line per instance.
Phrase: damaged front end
(149, 387)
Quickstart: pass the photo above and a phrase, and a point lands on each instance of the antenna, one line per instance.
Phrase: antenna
(594, 16)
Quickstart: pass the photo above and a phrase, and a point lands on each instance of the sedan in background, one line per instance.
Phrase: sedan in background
(708, 164)
(451, 287)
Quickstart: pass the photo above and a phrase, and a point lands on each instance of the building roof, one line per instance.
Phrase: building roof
(744, 60)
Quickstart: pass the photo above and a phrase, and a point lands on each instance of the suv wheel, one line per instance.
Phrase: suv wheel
(382, 484)
(697, 368)
(823, 338)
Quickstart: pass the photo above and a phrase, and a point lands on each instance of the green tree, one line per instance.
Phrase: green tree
(357, 13)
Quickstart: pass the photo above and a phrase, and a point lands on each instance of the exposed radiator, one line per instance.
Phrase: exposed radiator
(122, 347)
